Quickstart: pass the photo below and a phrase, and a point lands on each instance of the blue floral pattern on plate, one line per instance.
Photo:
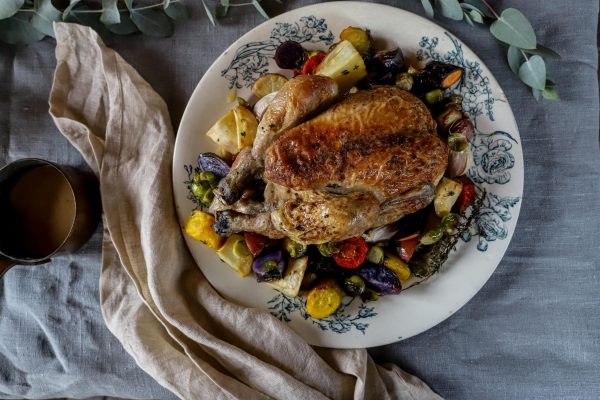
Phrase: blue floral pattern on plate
(492, 157)
(281, 306)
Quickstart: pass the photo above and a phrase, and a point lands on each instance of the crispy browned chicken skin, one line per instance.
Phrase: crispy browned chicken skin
(365, 162)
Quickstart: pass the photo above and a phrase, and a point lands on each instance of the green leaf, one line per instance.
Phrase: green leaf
(67, 11)
(450, 9)
(128, 4)
(166, 3)
(515, 59)
(259, 8)
(177, 11)
(514, 29)
(8, 8)
(550, 93)
(125, 27)
(208, 13)
(224, 3)
(427, 7)
(90, 19)
(476, 16)
(543, 52)
(110, 12)
(44, 15)
(18, 30)
(468, 19)
(533, 72)
(152, 22)
(478, 4)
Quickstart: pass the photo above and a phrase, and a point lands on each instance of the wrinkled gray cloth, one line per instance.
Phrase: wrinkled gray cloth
(531, 332)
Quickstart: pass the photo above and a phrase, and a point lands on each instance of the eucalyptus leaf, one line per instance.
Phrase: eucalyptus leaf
(259, 8)
(224, 3)
(428, 8)
(152, 22)
(468, 19)
(480, 6)
(8, 8)
(166, 3)
(450, 9)
(543, 52)
(515, 59)
(514, 29)
(125, 27)
(476, 16)
(128, 4)
(67, 10)
(177, 11)
(221, 10)
(18, 30)
(110, 12)
(537, 94)
(44, 15)
(90, 19)
(550, 93)
(208, 13)
(533, 72)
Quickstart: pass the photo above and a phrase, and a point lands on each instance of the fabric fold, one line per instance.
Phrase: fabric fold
(154, 298)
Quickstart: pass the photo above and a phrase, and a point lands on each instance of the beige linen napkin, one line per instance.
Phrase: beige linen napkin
(154, 298)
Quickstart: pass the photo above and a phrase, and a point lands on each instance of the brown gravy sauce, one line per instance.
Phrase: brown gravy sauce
(43, 211)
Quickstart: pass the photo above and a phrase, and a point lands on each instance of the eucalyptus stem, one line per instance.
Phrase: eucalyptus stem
(121, 10)
(491, 9)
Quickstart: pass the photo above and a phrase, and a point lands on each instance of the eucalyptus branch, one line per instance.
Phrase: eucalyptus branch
(526, 57)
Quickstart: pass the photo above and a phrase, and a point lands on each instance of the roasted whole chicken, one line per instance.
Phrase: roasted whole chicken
(325, 168)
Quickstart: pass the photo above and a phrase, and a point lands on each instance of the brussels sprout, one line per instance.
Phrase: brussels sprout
(354, 285)
(404, 81)
(369, 295)
(433, 97)
(294, 249)
(375, 255)
(210, 162)
(289, 55)
(457, 142)
(328, 249)
(432, 236)
(380, 279)
(269, 266)
(465, 127)
(360, 38)
(449, 222)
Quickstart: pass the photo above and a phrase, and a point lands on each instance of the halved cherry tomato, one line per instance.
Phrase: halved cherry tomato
(310, 66)
(353, 252)
(256, 242)
(467, 195)
(406, 248)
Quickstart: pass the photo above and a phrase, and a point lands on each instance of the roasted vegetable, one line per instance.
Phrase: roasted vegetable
(375, 255)
(467, 194)
(457, 142)
(293, 277)
(294, 249)
(210, 162)
(354, 285)
(404, 81)
(199, 227)
(328, 249)
(412, 223)
(436, 75)
(324, 299)
(369, 295)
(458, 162)
(235, 254)
(447, 117)
(360, 38)
(406, 247)
(352, 254)
(433, 97)
(387, 64)
(310, 66)
(236, 129)
(432, 236)
(268, 83)
(446, 194)
(399, 267)
(449, 223)
(289, 55)
(269, 266)
(380, 279)
(464, 127)
(344, 64)
(256, 242)
(321, 265)
(381, 233)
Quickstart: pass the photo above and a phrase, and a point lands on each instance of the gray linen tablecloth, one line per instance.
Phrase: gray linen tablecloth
(533, 331)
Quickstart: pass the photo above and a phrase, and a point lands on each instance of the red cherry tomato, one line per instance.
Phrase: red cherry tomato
(467, 195)
(406, 248)
(256, 243)
(310, 66)
(353, 252)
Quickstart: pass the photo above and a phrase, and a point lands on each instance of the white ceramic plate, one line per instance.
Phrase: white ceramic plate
(497, 166)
